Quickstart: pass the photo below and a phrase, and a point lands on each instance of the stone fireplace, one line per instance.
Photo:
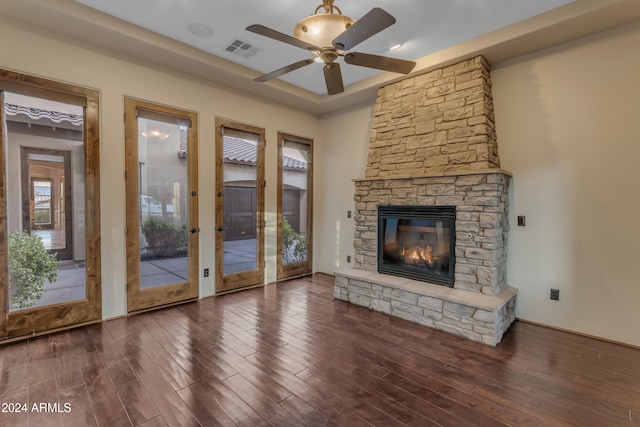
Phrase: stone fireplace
(433, 145)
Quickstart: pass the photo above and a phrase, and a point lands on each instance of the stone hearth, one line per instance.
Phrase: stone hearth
(433, 143)
(478, 317)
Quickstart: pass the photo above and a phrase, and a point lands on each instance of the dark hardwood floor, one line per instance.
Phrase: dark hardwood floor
(290, 355)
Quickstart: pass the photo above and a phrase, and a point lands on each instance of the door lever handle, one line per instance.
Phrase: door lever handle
(194, 230)
(222, 228)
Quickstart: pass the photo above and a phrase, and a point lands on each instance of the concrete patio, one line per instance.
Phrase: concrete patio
(239, 255)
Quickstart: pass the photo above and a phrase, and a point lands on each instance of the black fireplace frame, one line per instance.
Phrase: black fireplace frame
(447, 213)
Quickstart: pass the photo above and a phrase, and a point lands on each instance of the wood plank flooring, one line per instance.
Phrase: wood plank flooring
(290, 355)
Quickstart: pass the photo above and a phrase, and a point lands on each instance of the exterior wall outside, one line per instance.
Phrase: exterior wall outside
(162, 173)
(294, 179)
(241, 174)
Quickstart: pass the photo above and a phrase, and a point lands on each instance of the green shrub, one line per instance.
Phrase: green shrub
(43, 217)
(163, 238)
(29, 266)
(294, 245)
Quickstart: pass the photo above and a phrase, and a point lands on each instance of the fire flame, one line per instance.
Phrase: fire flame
(419, 254)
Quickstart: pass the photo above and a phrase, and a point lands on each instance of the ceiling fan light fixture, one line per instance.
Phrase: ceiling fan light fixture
(330, 35)
(321, 29)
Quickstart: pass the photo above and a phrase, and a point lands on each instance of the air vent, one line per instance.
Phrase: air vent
(241, 48)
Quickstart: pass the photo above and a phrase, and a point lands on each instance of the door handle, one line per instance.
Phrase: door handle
(222, 228)
(194, 230)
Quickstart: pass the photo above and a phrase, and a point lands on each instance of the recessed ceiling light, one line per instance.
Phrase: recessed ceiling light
(199, 29)
(394, 45)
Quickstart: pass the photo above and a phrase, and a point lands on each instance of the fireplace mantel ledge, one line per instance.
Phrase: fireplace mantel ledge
(459, 296)
(439, 174)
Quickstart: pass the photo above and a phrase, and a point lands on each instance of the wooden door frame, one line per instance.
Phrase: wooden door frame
(302, 267)
(67, 252)
(39, 319)
(245, 279)
(140, 299)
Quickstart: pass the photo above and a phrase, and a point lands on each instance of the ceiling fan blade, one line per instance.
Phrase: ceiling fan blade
(333, 78)
(371, 23)
(284, 70)
(379, 62)
(276, 35)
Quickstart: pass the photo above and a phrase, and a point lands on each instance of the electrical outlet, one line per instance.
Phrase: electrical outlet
(206, 272)
(555, 294)
(521, 221)
(348, 258)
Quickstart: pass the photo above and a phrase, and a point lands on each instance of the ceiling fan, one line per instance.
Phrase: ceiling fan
(329, 35)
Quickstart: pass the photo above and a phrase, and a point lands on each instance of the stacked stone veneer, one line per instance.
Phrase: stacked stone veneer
(474, 316)
(482, 226)
(437, 122)
(433, 143)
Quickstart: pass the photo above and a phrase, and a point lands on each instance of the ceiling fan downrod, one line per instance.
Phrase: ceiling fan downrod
(328, 7)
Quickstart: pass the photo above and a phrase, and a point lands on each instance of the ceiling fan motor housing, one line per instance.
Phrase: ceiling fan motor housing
(328, 55)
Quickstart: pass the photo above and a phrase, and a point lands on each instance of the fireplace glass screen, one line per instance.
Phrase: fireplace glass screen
(417, 242)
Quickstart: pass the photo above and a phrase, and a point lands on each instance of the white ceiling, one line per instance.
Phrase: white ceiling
(423, 26)
(434, 33)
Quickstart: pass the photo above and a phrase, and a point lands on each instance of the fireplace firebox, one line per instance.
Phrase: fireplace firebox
(417, 242)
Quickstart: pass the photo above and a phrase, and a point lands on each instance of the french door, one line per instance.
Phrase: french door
(47, 202)
(49, 205)
(161, 164)
(239, 206)
(295, 205)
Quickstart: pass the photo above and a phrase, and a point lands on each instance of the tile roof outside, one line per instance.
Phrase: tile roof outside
(36, 114)
(240, 151)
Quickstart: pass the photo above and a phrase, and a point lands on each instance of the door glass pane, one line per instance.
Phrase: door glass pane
(41, 193)
(45, 155)
(162, 195)
(295, 158)
(240, 201)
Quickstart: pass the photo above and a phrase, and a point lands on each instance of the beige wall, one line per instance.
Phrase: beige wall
(568, 125)
(26, 51)
(341, 159)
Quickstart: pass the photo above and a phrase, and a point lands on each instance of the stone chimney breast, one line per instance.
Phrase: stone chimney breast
(437, 122)
(433, 143)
